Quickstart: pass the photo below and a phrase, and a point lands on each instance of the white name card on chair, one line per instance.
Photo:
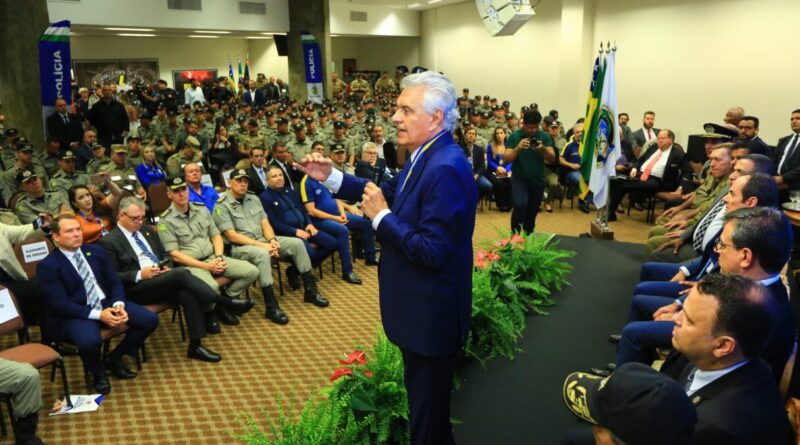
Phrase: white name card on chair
(34, 252)
(7, 309)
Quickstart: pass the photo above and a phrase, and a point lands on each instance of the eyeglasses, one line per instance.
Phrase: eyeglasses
(722, 245)
(136, 219)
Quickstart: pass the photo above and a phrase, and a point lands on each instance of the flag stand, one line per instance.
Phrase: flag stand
(599, 226)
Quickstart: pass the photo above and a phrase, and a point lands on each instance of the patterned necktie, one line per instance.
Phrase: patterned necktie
(66, 118)
(144, 248)
(700, 232)
(89, 283)
(689, 379)
(260, 172)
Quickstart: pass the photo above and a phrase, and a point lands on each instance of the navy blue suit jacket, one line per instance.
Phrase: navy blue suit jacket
(425, 272)
(62, 287)
(710, 253)
(260, 99)
(274, 208)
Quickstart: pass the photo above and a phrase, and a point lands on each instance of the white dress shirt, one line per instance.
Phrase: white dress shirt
(704, 378)
(660, 166)
(144, 260)
(193, 95)
(94, 314)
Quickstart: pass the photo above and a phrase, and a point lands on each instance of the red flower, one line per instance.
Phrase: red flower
(355, 356)
(368, 373)
(484, 258)
(493, 256)
(502, 243)
(341, 372)
(517, 239)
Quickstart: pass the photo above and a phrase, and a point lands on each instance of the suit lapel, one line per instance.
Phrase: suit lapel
(123, 241)
(67, 265)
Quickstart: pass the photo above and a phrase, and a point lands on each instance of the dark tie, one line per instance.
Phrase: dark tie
(700, 231)
(689, 379)
(66, 119)
(89, 283)
(790, 147)
(145, 249)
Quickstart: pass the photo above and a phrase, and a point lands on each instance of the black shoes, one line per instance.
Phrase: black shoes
(276, 315)
(583, 206)
(352, 278)
(614, 338)
(101, 384)
(225, 316)
(294, 277)
(119, 369)
(203, 354)
(373, 262)
(212, 327)
(237, 306)
(316, 299)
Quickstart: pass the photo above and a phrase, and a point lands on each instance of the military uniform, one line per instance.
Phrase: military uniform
(250, 141)
(135, 160)
(338, 87)
(125, 177)
(359, 87)
(389, 130)
(176, 162)
(348, 144)
(484, 133)
(8, 157)
(299, 149)
(96, 164)
(149, 136)
(385, 86)
(28, 209)
(9, 178)
(280, 137)
(172, 135)
(49, 163)
(191, 234)
(9, 218)
(63, 181)
(245, 218)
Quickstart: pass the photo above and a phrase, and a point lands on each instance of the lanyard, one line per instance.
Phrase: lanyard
(422, 152)
(95, 219)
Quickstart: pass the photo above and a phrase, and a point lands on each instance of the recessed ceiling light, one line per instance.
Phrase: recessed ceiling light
(414, 5)
(213, 32)
(273, 33)
(257, 38)
(129, 29)
(123, 34)
(334, 35)
(430, 2)
(203, 37)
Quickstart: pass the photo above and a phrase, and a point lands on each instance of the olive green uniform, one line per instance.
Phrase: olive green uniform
(338, 86)
(28, 209)
(299, 149)
(385, 86)
(9, 178)
(245, 218)
(21, 381)
(176, 162)
(9, 218)
(49, 163)
(149, 136)
(190, 233)
(124, 177)
(95, 164)
(63, 181)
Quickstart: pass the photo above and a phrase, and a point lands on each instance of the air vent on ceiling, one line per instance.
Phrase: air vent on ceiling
(358, 16)
(252, 8)
(187, 5)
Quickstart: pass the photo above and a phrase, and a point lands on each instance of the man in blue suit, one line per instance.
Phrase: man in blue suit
(423, 218)
(253, 95)
(84, 293)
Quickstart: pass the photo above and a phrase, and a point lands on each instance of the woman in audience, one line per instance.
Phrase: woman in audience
(221, 152)
(95, 217)
(149, 172)
(499, 172)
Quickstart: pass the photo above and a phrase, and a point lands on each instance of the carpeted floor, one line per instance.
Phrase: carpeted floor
(178, 401)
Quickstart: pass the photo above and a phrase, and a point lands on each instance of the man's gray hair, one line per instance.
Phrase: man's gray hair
(128, 201)
(440, 94)
(368, 145)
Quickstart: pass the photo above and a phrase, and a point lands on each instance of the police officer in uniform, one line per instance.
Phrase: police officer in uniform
(189, 153)
(282, 133)
(49, 157)
(339, 137)
(147, 132)
(99, 159)
(189, 234)
(300, 144)
(67, 176)
(36, 200)
(135, 156)
(24, 161)
(121, 173)
(241, 218)
(253, 138)
(170, 134)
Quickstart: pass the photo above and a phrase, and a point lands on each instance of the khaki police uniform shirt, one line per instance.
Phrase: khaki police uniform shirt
(28, 209)
(62, 181)
(125, 177)
(172, 134)
(299, 149)
(149, 135)
(176, 162)
(189, 233)
(9, 179)
(250, 141)
(96, 164)
(50, 163)
(359, 86)
(338, 86)
(347, 142)
(383, 86)
(244, 217)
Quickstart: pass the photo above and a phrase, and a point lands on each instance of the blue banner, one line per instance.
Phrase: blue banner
(55, 64)
(312, 58)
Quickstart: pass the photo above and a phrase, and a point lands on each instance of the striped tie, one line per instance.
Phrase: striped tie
(144, 248)
(700, 232)
(89, 283)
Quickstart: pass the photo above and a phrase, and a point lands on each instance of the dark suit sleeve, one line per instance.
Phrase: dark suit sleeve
(278, 226)
(642, 159)
(55, 294)
(478, 160)
(52, 130)
(111, 245)
(431, 241)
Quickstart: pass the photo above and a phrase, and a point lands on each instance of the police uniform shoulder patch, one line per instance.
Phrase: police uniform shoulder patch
(198, 204)
(250, 193)
(6, 210)
(164, 213)
(222, 197)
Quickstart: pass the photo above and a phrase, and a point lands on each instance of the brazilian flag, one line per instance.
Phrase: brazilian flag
(590, 125)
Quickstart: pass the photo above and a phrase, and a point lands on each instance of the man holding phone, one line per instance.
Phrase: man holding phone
(145, 269)
(85, 294)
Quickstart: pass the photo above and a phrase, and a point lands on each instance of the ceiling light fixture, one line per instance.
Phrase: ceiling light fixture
(203, 37)
(430, 2)
(257, 38)
(213, 32)
(123, 34)
(130, 29)
(414, 5)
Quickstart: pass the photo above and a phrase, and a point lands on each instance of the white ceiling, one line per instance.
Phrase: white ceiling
(403, 4)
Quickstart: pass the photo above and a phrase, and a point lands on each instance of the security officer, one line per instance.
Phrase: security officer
(300, 144)
(241, 218)
(135, 151)
(339, 137)
(253, 138)
(121, 173)
(24, 160)
(389, 129)
(170, 134)
(484, 130)
(385, 85)
(36, 200)
(189, 153)
(147, 132)
(192, 239)
(67, 176)
(359, 87)
(49, 157)
(98, 160)
(282, 133)
(337, 85)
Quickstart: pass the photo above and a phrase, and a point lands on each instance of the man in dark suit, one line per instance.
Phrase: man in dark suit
(424, 218)
(370, 166)
(110, 118)
(748, 133)
(253, 95)
(723, 327)
(271, 90)
(787, 160)
(282, 160)
(645, 135)
(257, 172)
(144, 267)
(385, 149)
(64, 126)
(84, 294)
(658, 169)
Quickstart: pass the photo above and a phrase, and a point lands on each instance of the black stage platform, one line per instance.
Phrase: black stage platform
(519, 402)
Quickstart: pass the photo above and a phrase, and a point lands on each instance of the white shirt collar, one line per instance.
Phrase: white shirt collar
(704, 378)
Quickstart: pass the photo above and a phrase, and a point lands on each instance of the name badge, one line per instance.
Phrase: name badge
(116, 178)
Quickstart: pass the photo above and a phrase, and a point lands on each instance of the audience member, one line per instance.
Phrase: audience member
(94, 216)
(787, 163)
(499, 171)
(35, 201)
(748, 133)
(20, 382)
(199, 192)
(80, 285)
(257, 172)
(189, 152)
(121, 173)
(477, 158)
(24, 161)
(570, 161)
(110, 119)
(644, 136)
(371, 166)
(149, 172)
